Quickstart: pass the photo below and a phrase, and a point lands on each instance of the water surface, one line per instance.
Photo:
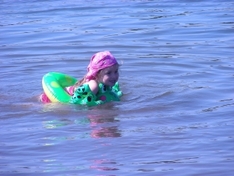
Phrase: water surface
(176, 115)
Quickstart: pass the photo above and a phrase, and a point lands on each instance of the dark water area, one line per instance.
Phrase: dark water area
(177, 75)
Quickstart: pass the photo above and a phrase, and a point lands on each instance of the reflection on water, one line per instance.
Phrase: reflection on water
(96, 125)
(101, 125)
(103, 165)
(105, 132)
(99, 131)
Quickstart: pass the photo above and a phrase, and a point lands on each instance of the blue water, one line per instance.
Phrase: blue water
(177, 72)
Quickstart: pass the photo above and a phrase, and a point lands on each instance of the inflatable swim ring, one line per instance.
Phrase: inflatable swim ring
(54, 84)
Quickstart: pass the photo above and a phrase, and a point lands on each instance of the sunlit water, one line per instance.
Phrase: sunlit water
(177, 75)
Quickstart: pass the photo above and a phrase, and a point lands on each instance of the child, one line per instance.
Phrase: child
(99, 85)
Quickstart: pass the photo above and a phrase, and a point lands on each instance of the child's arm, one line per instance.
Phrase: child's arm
(93, 85)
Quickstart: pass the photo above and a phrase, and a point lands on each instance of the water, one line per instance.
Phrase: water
(176, 115)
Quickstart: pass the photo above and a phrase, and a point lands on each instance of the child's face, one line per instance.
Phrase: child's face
(109, 76)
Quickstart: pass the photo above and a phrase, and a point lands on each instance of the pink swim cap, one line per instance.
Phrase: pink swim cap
(98, 62)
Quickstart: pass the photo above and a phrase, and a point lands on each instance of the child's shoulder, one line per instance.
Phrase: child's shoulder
(93, 85)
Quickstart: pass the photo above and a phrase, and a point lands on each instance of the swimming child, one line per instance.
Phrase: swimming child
(99, 85)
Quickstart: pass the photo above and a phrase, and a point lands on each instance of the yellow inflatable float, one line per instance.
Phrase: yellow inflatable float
(54, 84)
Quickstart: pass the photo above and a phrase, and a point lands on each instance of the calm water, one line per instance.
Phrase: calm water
(177, 75)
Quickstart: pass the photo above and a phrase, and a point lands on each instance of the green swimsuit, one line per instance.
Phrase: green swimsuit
(84, 96)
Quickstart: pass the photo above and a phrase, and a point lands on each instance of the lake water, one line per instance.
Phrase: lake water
(177, 76)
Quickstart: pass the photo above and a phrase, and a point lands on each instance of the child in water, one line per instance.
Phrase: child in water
(99, 85)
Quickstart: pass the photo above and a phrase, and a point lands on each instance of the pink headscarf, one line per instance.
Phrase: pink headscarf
(98, 62)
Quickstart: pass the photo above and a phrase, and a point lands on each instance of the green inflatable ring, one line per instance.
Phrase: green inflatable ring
(54, 84)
